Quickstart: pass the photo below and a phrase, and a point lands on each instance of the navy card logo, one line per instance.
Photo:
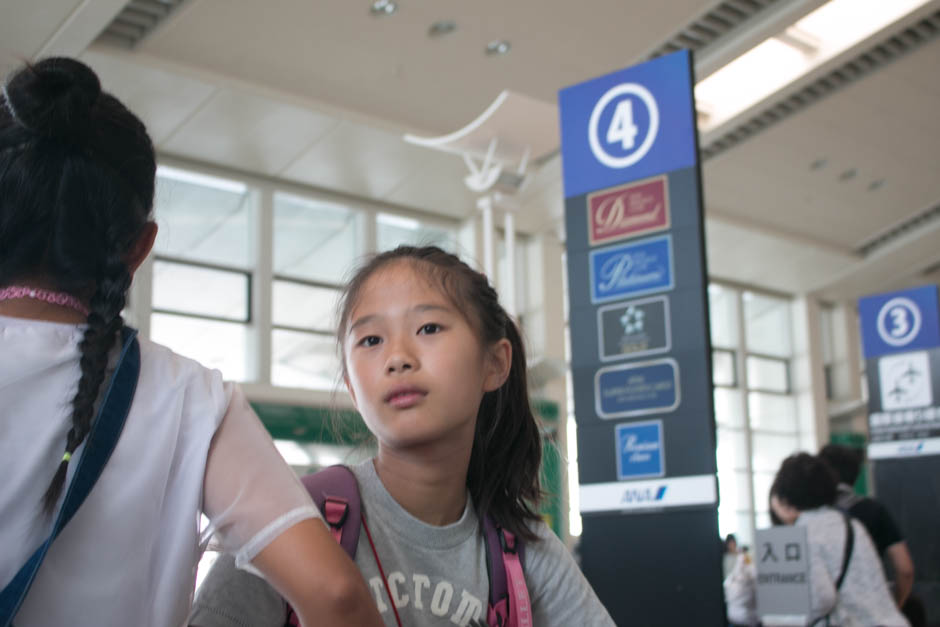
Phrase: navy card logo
(634, 328)
(640, 450)
(637, 389)
(631, 269)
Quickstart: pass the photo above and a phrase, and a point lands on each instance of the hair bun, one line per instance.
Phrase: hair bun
(54, 97)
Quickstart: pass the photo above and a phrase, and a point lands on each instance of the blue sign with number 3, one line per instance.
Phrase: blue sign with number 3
(900, 321)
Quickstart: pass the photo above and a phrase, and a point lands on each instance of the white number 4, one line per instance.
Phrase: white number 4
(622, 129)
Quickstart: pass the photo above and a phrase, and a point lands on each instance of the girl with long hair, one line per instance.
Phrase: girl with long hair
(437, 369)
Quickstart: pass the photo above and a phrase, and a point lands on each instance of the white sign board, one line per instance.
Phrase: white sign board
(782, 574)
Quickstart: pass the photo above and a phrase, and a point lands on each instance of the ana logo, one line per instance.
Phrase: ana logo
(911, 449)
(643, 495)
(628, 210)
(899, 321)
(623, 111)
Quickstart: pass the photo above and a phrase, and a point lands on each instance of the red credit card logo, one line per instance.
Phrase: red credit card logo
(628, 210)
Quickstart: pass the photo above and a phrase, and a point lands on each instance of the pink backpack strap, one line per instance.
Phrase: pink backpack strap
(509, 604)
(336, 493)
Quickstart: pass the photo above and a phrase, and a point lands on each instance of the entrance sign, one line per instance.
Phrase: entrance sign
(783, 582)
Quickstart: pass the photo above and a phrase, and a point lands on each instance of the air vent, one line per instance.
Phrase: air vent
(864, 64)
(718, 23)
(137, 20)
(919, 221)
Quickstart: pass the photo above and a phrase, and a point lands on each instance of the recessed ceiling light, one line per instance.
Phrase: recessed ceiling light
(819, 164)
(876, 185)
(383, 7)
(498, 46)
(848, 175)
(444, 27)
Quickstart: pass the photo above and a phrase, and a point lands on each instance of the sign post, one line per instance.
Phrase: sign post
(901, 340)
(640, 350)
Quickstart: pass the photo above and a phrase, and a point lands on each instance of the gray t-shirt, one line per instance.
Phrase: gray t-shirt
(436, 575)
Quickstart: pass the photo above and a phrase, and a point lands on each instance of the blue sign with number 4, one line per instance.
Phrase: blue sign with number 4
(899, 322)
(628, 125)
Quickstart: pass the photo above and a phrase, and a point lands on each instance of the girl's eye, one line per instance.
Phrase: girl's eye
(369, 340)
(429, 328)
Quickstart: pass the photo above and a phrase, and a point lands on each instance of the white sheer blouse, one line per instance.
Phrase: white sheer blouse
(191, 445)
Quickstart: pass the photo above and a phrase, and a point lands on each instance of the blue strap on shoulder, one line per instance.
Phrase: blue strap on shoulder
(103, 437)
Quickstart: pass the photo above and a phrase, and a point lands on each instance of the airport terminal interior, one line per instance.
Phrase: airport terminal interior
(294, 137)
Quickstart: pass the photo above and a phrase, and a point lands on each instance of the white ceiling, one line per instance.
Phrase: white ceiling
(321, 93)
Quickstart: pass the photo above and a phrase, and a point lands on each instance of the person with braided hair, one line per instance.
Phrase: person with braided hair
(76, 193)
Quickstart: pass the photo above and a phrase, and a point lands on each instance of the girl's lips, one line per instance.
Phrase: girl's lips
(403, 398)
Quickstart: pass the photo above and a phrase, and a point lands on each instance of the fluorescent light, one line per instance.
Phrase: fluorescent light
(776, 62)
(194, 178)
(400, 222)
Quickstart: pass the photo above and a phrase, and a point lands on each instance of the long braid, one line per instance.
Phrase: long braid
(104, 323)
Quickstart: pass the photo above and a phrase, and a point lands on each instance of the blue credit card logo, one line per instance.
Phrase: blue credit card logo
(631, 269)
(637, 389)
(640, 450)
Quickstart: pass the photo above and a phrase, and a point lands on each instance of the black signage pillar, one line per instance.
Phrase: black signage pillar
(640, 348)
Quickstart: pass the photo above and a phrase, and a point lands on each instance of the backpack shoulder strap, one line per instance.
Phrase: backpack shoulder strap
(336, 493)
(102, 438)
(505, 555)
(847, 552)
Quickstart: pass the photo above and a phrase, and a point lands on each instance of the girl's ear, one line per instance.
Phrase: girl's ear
(499, 362)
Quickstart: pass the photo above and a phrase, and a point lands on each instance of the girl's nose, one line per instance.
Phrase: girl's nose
(400, 358)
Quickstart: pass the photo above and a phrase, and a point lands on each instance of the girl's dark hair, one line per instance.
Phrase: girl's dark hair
(503, 477)
(805, 482)
(76, 189)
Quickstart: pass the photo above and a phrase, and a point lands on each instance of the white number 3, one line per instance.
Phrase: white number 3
(622, 129)
(901, 325)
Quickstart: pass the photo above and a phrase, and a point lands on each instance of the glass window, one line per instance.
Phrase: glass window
(771, 375)
(767, 324)
(772, 412)
(728, 409)
(302, 306)
(215, 344)
(723, 316)
(735, 490)
(304, 360)
(315, 240)
(204, 218)
(762, 483)
(731, 453)
(393, 230)
(723, 371)
(770, 449)
(201, 291)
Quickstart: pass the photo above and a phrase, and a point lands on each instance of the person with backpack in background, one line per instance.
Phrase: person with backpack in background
(847, 585)
(437, 369)
(111, 447)
(846, 462)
